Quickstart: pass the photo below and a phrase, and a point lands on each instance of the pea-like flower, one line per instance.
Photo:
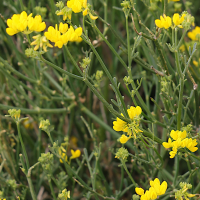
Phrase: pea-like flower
(180, 140)
(78, 6)
(163, 22)
(195, 34)
(154, 191)
(63, 35)
(132, 129)
(24, 23)
(75, 154)
(177, 20)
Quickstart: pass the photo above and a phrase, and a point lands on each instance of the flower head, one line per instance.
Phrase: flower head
(180, 140)
(15, 114)
(62, 35)
(64, 195)
(177, 20)
(130, 128)
(195, 34)
(24, 23)
(75, 154)
(163, 22)
(154, 191)
(123, 139)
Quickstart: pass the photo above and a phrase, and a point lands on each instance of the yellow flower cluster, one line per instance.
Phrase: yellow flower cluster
(75, 154)
(24, 23)
(183, 192)
(64, 195)
(166, 21)
(75, 6)
(130, 128)
(154, 191)
(180, 141)
(63, 35)
(195, 34)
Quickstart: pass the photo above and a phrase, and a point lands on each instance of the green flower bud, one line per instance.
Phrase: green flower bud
(15, 114)
(122, 154)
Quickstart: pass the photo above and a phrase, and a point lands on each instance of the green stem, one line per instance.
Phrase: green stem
(177, 56)
(181, 40)
(61, 70)
(73, 61)
(197, 108)
(124, 165)
(109, 107)
(165, 7)
(176, 168)
(109, 76)
(21, 4)
(22, 144)
(105, 4)
(52, 190)
(129, 71)
(179, 112)
(35, 111)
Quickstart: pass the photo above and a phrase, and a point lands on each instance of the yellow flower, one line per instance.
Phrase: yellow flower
(159, 188)
(75, 154)
(154, 191)
(195, 34)
(63, 35)
(163, 22)
(123, 139)
(130, 128)
(178, 134)
(180, 141)
(168, 144)
(64, 195)
(177, 20)
(139, 191)
(25, 24)
(75, 5)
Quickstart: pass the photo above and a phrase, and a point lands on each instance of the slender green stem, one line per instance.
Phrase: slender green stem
(177, 56)
(128, 44)
(23, 147)
(109, 107)
(73, 61)
(52, 190)
(179, 112)
(197, 107)
(165, 7)
(28, 169)
(124, 165)
(130, 73)
(35, 111)
(122, 179)
(181, 40)
(61, 70)
(105, 4)
(109, 76)
(111, 48)
(176, 168)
